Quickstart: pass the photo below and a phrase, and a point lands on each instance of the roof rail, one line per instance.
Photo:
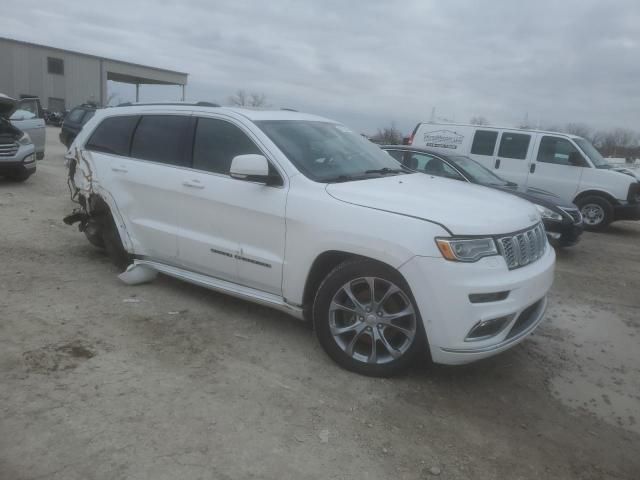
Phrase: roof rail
(186, 104)
(288, 109)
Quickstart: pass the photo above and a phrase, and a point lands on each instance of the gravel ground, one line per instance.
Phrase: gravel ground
(99, 380)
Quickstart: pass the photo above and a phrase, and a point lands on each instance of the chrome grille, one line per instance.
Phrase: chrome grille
(8, 149)
(523, 248)
(575, 214)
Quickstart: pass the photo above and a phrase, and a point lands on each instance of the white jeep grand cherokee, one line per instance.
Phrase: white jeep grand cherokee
(299, 213)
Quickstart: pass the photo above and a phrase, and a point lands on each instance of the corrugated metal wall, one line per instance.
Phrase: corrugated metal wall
(24, 71)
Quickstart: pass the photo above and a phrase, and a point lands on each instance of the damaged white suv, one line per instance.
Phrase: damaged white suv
(299, 213)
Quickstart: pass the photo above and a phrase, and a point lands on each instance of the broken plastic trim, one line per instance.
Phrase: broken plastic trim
(135, 274)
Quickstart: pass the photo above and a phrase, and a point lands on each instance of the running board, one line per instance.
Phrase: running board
(223, 286)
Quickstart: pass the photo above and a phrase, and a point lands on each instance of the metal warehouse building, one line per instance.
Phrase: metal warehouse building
(63, 79)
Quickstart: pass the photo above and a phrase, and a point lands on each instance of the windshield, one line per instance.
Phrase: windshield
(591, 152)
(476, 172)
(328, 152)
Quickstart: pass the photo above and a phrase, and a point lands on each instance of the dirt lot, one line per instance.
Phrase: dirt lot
(99, 380)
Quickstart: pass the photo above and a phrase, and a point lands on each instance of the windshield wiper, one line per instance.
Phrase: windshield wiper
(340, 178)
(386, 170)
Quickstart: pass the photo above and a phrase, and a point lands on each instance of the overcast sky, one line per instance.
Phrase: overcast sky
(368, 63)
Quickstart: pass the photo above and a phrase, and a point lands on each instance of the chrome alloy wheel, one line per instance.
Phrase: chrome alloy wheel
(592, 214)
(372, 320)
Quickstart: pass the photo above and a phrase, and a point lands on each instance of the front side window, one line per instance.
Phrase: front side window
(484, 142)
(433, 166)
(514, 145)
(329, 152)
(113, 135)
(557, 150)
(27, 109)
(397, 154)
(162, 139)
(217, 142)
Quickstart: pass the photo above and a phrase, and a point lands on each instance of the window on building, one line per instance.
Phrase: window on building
(55, 66)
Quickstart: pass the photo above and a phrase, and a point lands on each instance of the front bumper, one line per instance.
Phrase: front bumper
(16, 164)
(627, 211)
(442, 288)
(563, 234)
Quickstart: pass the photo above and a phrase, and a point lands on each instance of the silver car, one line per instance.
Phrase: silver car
(28, 117)
(17, 151)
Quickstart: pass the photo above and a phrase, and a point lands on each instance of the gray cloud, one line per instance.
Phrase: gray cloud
(369, 63)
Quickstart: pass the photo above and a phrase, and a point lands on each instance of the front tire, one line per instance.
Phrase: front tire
(597, 212)
(366, 319)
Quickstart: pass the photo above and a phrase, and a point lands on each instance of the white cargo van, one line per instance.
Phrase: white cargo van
(566, 165)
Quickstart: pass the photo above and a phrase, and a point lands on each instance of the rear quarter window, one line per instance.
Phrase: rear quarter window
(113, 135)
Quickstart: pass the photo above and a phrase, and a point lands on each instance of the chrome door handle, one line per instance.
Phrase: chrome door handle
(193, 184)
(119, 169)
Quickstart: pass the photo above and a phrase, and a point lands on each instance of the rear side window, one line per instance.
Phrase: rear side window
(88, 116)
(113, 135)
(514, 145)
(161, 138)
(75, 116)
(484, 142)
(216, 143)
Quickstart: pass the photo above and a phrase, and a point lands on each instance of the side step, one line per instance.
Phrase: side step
(142, 271)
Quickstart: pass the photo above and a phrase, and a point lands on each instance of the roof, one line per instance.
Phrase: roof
(498, 127)
(251, 114)
(73, 52)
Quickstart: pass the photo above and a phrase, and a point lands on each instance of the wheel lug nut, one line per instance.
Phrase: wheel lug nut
(368, 309)
(379, 325)
(379, 314)
(361, 318)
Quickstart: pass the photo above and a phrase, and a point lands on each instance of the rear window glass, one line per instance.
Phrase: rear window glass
(484, 142)
(161, 138)
(76, 115)
(113, 135)
(514, 145)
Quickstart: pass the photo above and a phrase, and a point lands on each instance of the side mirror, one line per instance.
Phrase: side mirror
(251, 167)
(576, 160)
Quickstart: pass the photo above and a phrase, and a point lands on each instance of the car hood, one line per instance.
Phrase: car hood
(463, 208)
(7, 106)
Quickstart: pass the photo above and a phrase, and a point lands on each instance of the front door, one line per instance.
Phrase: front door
(554, 168)
(230, 229)
(28, 118)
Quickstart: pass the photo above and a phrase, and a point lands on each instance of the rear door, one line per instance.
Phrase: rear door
(231, 229)
(512, 159)
(552, 170)
(28, 118)
(140, 167)
(484, 146)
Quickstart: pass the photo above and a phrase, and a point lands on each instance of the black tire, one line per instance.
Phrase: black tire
(19, 177)
(593, 203)
(113, 244)
(350, 273)
(93, 233)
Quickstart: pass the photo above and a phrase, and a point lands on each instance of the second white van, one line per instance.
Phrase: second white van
(567, 165)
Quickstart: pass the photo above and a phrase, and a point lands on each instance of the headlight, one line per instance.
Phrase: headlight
(466, 249)
(25, 139)
(549, 214)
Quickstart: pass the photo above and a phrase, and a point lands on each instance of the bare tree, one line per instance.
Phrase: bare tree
(242, 98)
(579, 129)
(113, 97)
(479, 120)
(388, 135)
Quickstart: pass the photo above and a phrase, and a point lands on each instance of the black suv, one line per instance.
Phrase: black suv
(74, 121)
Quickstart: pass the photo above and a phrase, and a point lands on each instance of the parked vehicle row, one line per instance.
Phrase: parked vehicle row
(566, 165)
(299, 213)
(17, 151)
(74, 121)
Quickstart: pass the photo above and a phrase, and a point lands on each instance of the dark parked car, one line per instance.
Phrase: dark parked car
(562, 220)
(74, 121)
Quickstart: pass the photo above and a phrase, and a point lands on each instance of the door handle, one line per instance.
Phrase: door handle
(193, 184)
(532, 168)
(497, 165)
(119, 169)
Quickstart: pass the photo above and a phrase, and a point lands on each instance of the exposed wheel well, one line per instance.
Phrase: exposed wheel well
(595, 193)
(322, 265)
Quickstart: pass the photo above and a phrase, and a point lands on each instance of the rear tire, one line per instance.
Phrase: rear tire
(366, 319)
(597, 212)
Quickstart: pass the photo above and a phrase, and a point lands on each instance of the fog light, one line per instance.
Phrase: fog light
(29, 159)
(488, 297)
(488, 328)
